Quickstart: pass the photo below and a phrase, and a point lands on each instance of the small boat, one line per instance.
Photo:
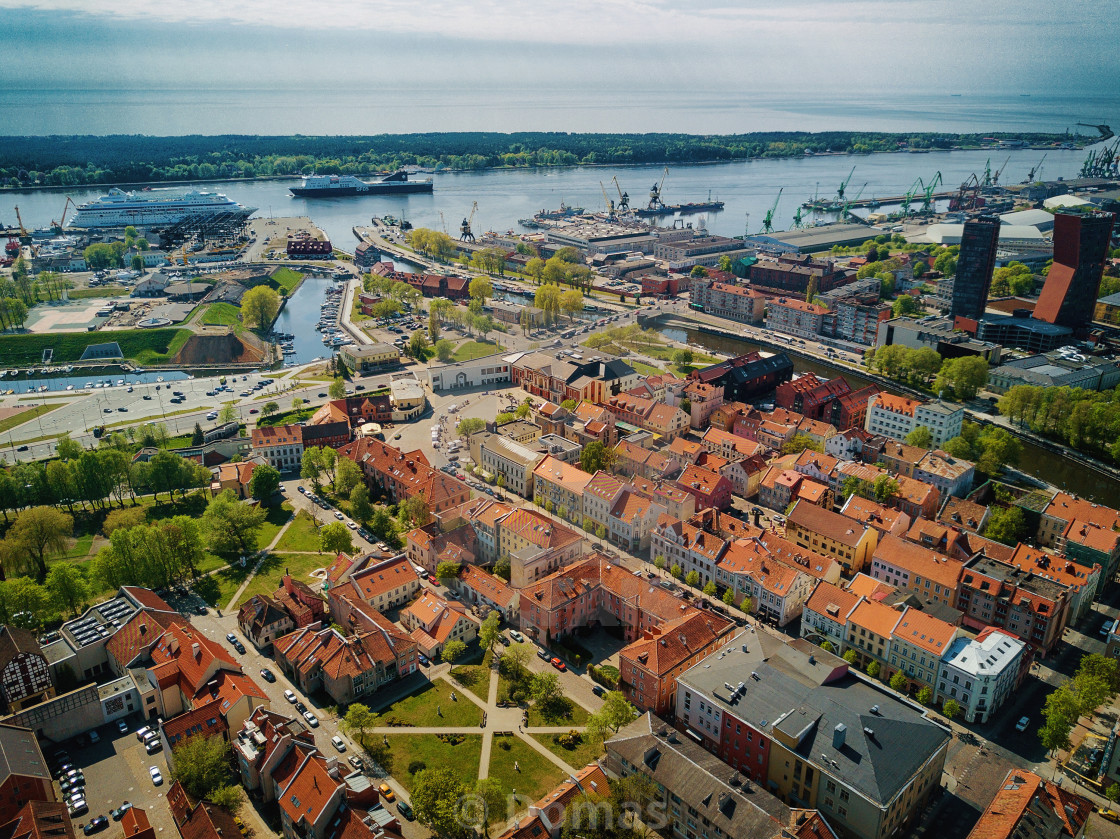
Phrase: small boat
(69, 387)
(159, 378)
(69, 368)
(120, 382)
(88, 386)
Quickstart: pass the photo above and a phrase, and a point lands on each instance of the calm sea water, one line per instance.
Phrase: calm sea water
(384, 109)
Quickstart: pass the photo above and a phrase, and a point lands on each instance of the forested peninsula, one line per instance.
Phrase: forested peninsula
(60, 161)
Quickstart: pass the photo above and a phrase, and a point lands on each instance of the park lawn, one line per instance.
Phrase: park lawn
(645, 369)
(286, 418)
(301, 535)
(150, 346)
(79, 550)
(285, 280)
(474, 677)
(476, 349)
(538, 774)
(222, 314)
(406, 749)
(576, 715)
(26, 416)
(267, 580)
(590, 749)
(419, 708)
(356, 313)
(278, 516)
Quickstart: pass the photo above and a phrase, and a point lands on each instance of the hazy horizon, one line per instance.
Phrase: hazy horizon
(586, 62)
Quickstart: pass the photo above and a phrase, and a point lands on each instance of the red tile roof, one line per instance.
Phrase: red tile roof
(1025, 796)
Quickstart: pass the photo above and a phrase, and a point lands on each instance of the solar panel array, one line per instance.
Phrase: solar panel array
(90, 629)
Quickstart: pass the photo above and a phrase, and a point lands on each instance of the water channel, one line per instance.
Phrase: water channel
(1036, 461)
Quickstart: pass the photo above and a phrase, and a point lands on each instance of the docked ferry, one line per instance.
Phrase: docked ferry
(149, 209)
(323, 186)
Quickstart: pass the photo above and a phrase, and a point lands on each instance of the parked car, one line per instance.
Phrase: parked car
(542, 654)
(153, 747)
(424, 659)
(505, 641)
(157, 778)
(78, 807)
(386, 792)
(96, 824)
(300, 707)
(598, 690)
(312, 720)
(1022, 724)
(267, 675)
(231, 637)
(118, 814)
(237, 645)
(516, 636)
(558, 664)
(338, 743)
(405, 810)
(291, 697)
(122, 726)
(356, 762)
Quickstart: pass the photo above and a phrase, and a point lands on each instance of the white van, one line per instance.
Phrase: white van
(336, 741)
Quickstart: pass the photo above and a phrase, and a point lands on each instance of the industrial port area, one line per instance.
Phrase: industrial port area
(370, 508)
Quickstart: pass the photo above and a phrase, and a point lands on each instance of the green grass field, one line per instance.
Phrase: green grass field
(645, 369)
(267, 580)
(26, 416)
(148, 346)
(474, 677)
(427, 749)
(476, 349)
(566, 712)
(303, 535)
(285, 280)
(577, 758)
(537, 773)
(221, 314)
(419, 709)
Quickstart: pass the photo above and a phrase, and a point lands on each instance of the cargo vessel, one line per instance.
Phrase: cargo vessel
(324, 186)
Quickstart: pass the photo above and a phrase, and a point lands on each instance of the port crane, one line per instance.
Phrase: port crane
(465, 234)
(24, 236)
(967, 197)
(844, 186)
(927, 198)
(798, 219)
(995, 176)
(768, 219)
(909, 196)
(607, 202)
(655, 202)
(846, 210)
(623, 198)
(1037, 168)
(56, 226)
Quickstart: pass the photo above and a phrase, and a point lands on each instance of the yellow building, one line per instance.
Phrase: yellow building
(833, 535)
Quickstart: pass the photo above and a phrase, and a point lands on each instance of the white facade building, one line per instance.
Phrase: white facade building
(980, 673)
(895, 417)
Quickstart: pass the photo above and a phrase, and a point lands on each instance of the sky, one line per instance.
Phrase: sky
(818, 46)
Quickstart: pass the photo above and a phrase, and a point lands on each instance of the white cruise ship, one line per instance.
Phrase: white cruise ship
(120, 208)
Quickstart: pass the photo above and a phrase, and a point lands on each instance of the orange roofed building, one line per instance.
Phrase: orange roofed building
(1027, 806)
(434, 621)
(596, 592)
(401, 475)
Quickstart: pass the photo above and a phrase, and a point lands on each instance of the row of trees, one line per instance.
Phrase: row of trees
(437, 245)
(1085, 420)
(1097, 679)
(29, 605)
(563, 268)
(953, 378)
(70, 161)
(552, 300)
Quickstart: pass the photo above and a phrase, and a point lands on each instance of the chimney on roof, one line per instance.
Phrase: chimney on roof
(196, 650)
(838, 735)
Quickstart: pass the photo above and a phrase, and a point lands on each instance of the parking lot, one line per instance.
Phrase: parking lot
(117, 769)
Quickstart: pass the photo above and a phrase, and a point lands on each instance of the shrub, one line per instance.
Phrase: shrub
(416, 766)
